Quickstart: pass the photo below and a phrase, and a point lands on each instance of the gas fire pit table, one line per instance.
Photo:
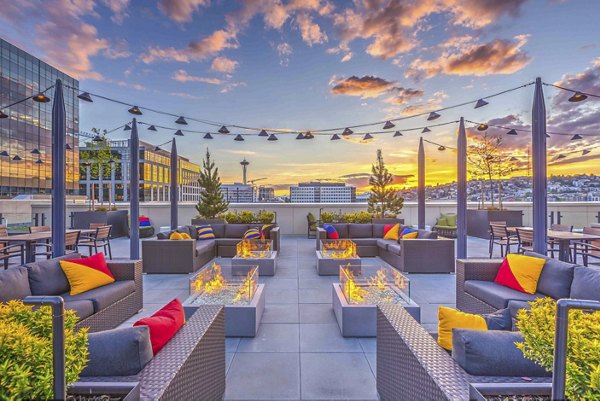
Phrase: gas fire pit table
(235, 287)
(361, 289)
(333, 254)
(256, 252)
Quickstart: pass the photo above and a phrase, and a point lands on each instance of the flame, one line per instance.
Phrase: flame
(253, 249)
(216, 283)
(353, 291)
(246, 290)
(379, 280)
(358, 292)
(341, 249)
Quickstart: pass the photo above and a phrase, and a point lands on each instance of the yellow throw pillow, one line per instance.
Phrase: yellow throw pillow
(175, 236)
(449, 319)
(412, 235)
(84, 278)
(393, 232)
(520, 272)
(185, 236)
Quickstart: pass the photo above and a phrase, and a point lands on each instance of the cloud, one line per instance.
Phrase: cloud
(479, 13)
(361, 180)
(367, 86)
(284, 50)
(212, 44)
(347, 57)
(183, 76)
(155, 53)
(184, 95)
(119, 49)
(224, 64)
(309, 30)
(181, 10)
(403, 95)
(434, 102)
(499, 56)
(119, 9)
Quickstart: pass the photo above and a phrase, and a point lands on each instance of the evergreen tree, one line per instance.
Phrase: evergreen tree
(384, 198)
(212, 202)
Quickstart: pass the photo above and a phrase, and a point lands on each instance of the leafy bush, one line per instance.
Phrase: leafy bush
(246, 217)
(231, 217)
(349, 218)
(327, 217)
(26, 351)
(583, 347)
(265, 216)
(363, 217)
(101, 209)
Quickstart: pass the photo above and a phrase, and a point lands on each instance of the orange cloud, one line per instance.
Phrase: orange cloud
(119, 9)
(309, 30)
(367, 86)
(183, 76)
(224, 64)
(181, 10)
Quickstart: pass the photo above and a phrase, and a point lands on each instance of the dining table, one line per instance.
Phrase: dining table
(29, 240)
(563, 238)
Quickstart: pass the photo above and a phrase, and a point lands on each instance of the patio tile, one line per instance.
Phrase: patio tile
(286, 272)
(164, 296)
(316, 313)
(280, 313)
(321, 282)
(344, 376)
(368, 345)
(315, 295)
(272, 338)
(166, 282)
(228, 359)
(372, 359)
(281, 296)
(231, 344)
(326, 338)
(283, 283)
(264, 376)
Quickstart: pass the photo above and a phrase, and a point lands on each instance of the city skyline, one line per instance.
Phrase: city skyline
(310, 64)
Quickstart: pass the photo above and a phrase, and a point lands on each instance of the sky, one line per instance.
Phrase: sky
(303, 65)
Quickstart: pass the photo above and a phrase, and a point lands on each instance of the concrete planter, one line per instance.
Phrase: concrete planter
(361, 320)
(118, 219)
(125, 391)
(478, 221)
(199, 222)
(480, 391)
(387, 221)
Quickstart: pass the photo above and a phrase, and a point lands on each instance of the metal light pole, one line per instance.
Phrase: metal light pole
(461, 192)
(421, 188)
(540, 222)
(174, 183)
(134, 187)
(59, 131)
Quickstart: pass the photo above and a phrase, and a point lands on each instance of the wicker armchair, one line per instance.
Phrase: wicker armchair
(190, 367)
(412, 367)
(474, 269)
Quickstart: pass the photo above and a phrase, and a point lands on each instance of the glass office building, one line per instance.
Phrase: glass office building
(26, 134)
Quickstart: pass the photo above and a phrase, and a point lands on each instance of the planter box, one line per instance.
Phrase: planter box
(478, 221)
(199, 222)
(479, 391)
(118, 219)
(387, 221)
(127, 391)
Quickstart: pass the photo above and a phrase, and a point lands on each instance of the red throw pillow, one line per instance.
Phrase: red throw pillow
(164, 324)
(96, 261)
(386, 228)
(520, 272)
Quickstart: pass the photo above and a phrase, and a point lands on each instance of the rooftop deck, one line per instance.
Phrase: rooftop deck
(299, 353)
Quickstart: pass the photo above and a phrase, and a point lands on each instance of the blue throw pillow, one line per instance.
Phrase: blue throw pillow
(252, 233)
(331, 231)
(205, 232)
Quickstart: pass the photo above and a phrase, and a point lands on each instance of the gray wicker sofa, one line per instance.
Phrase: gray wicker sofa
(476, 291)
(99, 309)
(412, 367)
(162, 255)
(425, 254)
(190, 367)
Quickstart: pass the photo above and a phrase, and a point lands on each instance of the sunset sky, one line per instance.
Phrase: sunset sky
(316, 64)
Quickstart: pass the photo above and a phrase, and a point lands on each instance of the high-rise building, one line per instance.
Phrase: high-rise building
(320, 192)
(265, 194)
(155, 174)
(26, 134)
(238, 193)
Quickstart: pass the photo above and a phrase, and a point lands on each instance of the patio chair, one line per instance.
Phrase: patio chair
(587, 249)
(10, 251)
(445, 225)
(552, 244)
(39, 229)
(525, 238)
(71, 240)
(99, 239)
(499, 235)
(312, 225)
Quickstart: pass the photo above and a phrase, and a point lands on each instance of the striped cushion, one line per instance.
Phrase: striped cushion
(252, 233)
(205, 232)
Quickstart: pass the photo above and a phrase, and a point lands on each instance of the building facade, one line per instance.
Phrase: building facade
(265, 194)
(318, 192)
(238, 193)
(26, 134)
(155, 174)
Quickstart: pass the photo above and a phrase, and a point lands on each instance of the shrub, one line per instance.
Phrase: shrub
(246, 217)
(349, 218)
(231, 217)
(583, 347)
(26, 351)
(363, 217)
(327, 217)
(265, 216)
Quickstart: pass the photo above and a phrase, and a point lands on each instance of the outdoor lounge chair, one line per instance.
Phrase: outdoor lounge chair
(312, 226)
(10, 251)
(445, 225)
(589, 249)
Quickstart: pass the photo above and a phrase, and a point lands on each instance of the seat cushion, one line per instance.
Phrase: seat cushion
(556, 278)
(586, 283)
(492, 353)
(342, 229)
(227, 241)
(365, 241)
(14, 284)
(218, 230)
(424, 234)
(378, 230)
(83, 308)
(360, 230)
(105, 296)
(118, 352)
(47, 278)
(192, 231)
(383, 243)
(515, 306)
(205, 245)
(395, 248)
(496, 295)
(163, 235)
(235, 230)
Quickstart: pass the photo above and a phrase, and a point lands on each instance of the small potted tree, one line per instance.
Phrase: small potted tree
(212, 203)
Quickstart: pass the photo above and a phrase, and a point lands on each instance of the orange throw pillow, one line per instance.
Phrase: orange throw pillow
(87, 273)
(391, 231)
(520, 272)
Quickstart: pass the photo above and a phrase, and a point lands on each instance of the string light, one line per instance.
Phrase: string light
(238, 137)
(68, 147)
(335, 137)
(576, 137)
(577, 97)
(181, 121)
(388, 125)
(585, 152)
(441, 148)
(272, 137)
(208, 136)
(85, 96)
(223, 130)
(4, 153)
(480, 103)
(35, 152)
(41, 98)
(135, 111)
(178, 133)
(397, 134)
(127, 128)
(425, 130)
(98, 138)
(512, 132)
(300, 136)
(367, 137)
(152, 128)
(3, 115)
(308, 135)
(39, 161)
(347, 131)
(263, 133)
(433, 116)
(17, 158)
(482, 127)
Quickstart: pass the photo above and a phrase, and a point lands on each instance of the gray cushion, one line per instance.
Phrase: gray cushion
(235, 230)
(492, 353)
(360, 230)
(515, 306)
(496, 295)
(14, 284)
(47, 278)
(104, 296)
(228, 241)
(163, 235)
(184, 230)
(586, 283)
(206, 245)
(218, 230)
(556, 278)
(193, 232)
(83, 308)
(424, 234)
(394, 248)
(118, 352)
(378, 230)
(499, 320)
(365, 241)
(342, 229)
(384, 243)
